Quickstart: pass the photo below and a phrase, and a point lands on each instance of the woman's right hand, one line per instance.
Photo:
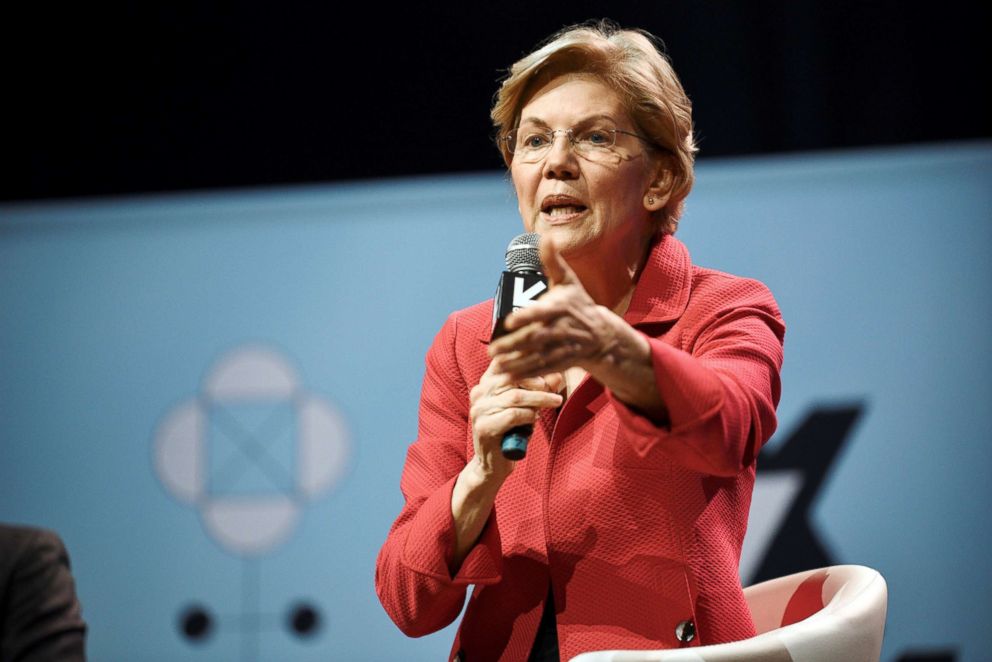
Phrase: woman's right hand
(497, 405)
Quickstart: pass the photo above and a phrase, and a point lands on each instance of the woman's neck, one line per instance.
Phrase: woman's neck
(610, 279)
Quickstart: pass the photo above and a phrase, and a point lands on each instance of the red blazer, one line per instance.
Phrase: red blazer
(638, 528)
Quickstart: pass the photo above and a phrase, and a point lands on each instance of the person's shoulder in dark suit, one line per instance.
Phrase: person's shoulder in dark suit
(40, 615)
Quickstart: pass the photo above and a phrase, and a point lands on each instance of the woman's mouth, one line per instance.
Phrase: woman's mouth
(561, 208)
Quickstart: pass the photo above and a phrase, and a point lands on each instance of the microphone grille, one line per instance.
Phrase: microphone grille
(522, 254)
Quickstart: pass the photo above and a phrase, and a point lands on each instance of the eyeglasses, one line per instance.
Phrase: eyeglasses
(530, 145)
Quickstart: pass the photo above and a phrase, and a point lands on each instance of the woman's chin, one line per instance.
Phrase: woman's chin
(560, 230)
(569, 242)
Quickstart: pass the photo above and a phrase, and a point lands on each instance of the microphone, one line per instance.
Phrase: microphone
(519, 286)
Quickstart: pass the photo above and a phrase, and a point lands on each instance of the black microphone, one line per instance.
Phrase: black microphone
(519, 286)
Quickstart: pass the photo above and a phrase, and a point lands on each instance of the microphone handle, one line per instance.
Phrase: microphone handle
(515, 442)
(516, 289)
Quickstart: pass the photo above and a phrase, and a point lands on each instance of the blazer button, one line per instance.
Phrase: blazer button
(685, 631)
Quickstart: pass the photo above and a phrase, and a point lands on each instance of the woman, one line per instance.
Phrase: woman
(651, 383)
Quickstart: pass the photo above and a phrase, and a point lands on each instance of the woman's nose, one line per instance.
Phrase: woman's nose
(560, 162)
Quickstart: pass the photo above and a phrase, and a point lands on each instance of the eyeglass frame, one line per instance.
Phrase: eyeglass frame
(570, 133)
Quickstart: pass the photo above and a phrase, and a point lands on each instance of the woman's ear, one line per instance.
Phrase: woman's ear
(659, 188)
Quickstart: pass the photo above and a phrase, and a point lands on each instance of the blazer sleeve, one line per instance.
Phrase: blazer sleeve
(413, 577)
(721, 387)
(40, 613)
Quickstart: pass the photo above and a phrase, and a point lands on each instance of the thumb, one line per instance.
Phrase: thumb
(555, 267)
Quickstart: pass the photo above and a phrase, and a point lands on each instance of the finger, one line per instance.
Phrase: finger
(555, 381)
(526, 338)
(546, 310)
(521, 398)
(539, 339)
(496, 424)
(548, 383)
(544, 327)
(519, 366)
(527, 370)
(517, 399)
(522, 366)
(492, 380)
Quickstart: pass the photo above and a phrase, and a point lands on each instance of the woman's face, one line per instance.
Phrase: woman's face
(590, 204)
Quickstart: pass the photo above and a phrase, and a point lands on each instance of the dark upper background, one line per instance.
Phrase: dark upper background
(124, 97)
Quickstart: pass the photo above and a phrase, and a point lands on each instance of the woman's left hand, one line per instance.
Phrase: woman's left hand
(562, 329)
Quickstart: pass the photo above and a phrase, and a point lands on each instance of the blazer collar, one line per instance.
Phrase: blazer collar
(662, 292)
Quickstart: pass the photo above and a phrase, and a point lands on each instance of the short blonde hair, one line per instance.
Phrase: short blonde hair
(633, 63)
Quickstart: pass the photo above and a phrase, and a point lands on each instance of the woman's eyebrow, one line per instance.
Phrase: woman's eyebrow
(582, 122)
(596, 118)
(533, 120)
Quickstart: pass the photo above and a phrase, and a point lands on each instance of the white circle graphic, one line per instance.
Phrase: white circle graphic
(251, 450)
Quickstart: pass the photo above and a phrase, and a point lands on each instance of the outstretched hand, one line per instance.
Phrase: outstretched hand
(565, 328)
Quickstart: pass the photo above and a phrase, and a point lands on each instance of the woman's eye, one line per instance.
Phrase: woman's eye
(598, 137)
(535, 140)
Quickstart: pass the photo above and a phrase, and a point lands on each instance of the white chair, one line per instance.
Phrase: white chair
(824, 615)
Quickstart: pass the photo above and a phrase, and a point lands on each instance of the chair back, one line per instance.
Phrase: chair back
(822, 615)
